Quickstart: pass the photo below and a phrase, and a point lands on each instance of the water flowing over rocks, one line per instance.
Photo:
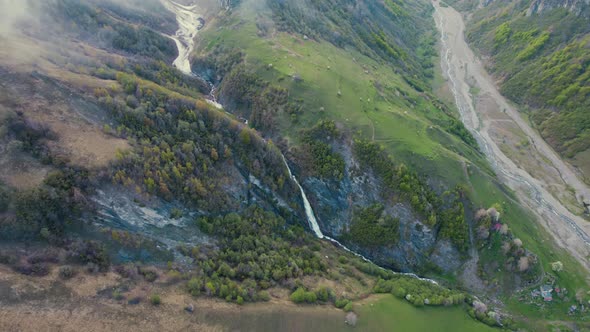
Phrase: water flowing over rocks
(459, 62)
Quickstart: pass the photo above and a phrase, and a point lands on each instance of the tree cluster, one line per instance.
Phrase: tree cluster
(256, 250)
(444, 213)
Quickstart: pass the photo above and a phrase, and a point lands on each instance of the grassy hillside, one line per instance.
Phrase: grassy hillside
(368, 94)
(390, 314)
(542, 61)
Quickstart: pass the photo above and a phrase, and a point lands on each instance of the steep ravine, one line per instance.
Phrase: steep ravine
(190, 22)
(336, 202)
(313, 224)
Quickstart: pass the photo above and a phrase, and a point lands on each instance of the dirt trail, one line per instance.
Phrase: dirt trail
(460, 67)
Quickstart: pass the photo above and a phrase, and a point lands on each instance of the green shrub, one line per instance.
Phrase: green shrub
(194, 286)
(419, 290)
(372, 228)
(324, 294)
(176, 213)
(348, 307)
(399, 292)
(533, 47)
(341, 303)
(263, 296)
(155, 299)
(117, 295)
(310, 297)
(66, 272)
(149, 274)
(302, 296)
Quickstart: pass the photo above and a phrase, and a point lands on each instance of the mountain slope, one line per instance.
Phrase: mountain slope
(368, 99)
(320, 80)
(539, 51)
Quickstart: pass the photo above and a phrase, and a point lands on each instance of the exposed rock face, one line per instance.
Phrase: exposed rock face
(578, 7)
(228, 4)
(119, 208)
(334, 204)
(539, 7)
(334, 201)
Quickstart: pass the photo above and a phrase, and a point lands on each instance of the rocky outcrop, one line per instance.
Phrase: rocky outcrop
(578, 7)
(539, 7)
(334, 202)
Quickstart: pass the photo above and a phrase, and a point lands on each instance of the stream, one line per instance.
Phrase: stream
(189, 23)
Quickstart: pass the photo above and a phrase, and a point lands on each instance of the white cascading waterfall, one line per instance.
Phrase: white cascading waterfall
(313, 223)
(188, 21)
(315, 227)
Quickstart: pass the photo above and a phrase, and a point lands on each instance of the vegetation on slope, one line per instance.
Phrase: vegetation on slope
(361, 92)
(102, 27)
(184, 145)
(370, 228)
(444, 213)
(549, 73)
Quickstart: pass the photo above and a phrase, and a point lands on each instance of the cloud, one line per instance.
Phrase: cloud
(13, 12)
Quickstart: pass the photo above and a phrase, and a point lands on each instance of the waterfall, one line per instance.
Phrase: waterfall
(315, 227)
(313, 222)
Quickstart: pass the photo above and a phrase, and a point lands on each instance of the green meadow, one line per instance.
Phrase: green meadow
(366, 96)
(389, 313)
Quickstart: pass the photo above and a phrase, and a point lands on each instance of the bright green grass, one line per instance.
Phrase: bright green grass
(392, 314)
(373, 100)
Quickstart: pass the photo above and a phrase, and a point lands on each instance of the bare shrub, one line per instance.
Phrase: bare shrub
(483, 232)
(480, 214)
(480, 307)
(557, 266)
(506, 247)
(494, 214)
(504, 229)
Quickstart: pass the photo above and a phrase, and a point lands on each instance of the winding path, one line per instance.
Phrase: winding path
(459, 63)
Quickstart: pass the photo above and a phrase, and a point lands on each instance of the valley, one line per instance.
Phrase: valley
(259, 165)
(487, 114)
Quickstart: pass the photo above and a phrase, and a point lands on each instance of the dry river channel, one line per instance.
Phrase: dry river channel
(489, 113)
